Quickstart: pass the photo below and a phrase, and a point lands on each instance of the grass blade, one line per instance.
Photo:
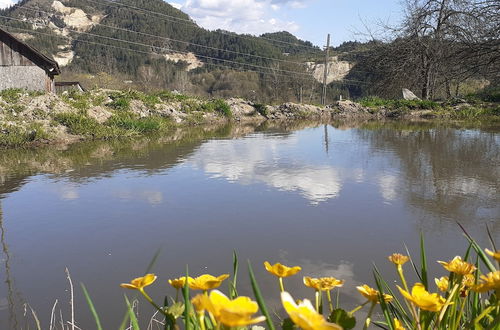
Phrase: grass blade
(258, 297)
(124, 322)
(383, 304)
(413, 264)
(131, 314)
(92, 307)
(152, 262)
(37, 321)
(233, 293)
(492, 241)
(187, 303)
(479, 251)
(423, 261)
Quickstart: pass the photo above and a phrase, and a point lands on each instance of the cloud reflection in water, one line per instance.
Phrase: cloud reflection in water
(265, 159)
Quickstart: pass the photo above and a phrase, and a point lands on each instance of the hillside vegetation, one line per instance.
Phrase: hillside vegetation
(437, 51)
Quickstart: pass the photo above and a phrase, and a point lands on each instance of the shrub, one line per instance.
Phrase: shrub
(261, 108)
(220, 106)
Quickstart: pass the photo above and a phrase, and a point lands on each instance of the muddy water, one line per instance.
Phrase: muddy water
(333, 199)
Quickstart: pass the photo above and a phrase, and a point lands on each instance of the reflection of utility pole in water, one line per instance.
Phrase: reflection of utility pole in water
(326, 139)
(325, 71)
(8, 279)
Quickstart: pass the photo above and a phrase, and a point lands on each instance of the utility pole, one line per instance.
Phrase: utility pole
(325, 73)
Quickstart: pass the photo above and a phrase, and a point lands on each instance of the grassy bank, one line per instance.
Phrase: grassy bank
(32, 118)
(473, 107)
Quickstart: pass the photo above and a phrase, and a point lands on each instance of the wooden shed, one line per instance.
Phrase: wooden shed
(22, 66)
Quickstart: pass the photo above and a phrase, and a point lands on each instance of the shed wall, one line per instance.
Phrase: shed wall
(30, 77)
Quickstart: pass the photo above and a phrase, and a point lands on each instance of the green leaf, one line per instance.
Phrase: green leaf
(92, 308)
(258, 297)
(287, 324)
(131, 314)
(423, 261)
(342, 318)
(233, 293)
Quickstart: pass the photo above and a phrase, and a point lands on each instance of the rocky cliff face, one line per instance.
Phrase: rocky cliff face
(337, 70)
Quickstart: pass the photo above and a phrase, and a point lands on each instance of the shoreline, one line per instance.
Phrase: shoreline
(31, 119)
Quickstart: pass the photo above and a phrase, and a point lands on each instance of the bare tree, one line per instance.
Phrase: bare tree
(437, 45)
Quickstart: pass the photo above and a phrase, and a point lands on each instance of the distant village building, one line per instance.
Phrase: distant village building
(67, 86)
(22, 66)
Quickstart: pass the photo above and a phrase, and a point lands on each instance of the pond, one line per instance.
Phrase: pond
(333, 198)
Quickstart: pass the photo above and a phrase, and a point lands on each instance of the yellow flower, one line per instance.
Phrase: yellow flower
(232, 313)
(372, 294)
(490, 281)
(179, 283)
(442, 283)
(140, 282)
(281, 270)
(468, 281)
(398, 259)
(201, 303)
(304, 315)
(322, 283)
(427, 301)
(329, 283)
(312, 283)
(495, 255)
(398, 325)
(206, 282)
(458, 266)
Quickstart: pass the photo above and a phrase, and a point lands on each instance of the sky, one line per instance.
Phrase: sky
(309, 20)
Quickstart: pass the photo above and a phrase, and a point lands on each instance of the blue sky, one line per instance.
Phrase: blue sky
(308, 19)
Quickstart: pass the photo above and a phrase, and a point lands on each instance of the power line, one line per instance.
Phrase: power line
(115, 4)
(175, 40)
(291, 73)
(144, 52)
(288, 73)
(345, 82)
(175, 50)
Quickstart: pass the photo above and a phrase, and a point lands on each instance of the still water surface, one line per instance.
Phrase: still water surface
(330, 198)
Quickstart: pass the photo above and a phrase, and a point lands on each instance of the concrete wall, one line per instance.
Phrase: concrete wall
(30, 77)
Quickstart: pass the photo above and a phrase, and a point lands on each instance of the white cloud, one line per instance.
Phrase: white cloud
(6, 3)
(175, 5)
(243, 16)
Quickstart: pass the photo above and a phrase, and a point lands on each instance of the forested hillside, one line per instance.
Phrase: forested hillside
(148, 45)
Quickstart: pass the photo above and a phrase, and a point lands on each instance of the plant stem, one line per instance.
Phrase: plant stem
(148, 298)
(447, 303)
(329, 297)
(358, 308)
(282, 288)
(410, 305)
(368, 317)
(462, 306)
